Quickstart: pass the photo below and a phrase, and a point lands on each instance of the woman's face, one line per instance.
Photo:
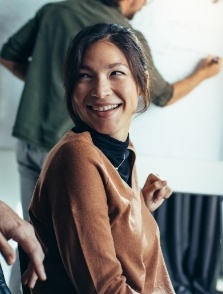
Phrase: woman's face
(106, 95)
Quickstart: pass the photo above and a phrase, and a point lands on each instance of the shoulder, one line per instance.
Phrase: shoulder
(74, 159)
(75, 148)
(54, 9)
(61, 5)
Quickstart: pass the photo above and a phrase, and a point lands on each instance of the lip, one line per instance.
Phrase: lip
(104, 107)
(104, 110)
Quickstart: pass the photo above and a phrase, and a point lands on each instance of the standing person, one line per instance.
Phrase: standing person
(87, 208)
(13, 227)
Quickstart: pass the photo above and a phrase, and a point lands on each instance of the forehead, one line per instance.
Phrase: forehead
(103, 50)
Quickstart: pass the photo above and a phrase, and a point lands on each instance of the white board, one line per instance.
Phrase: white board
(180, 33)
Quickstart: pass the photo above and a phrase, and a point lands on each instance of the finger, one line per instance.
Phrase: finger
(153, 206)
(31, 278)
(6, 250)
(163, 193)
(36, 256)
(39, 268)
(25, 276)
(156, 186)
(32, 248)
(152, 178)
(152, 191)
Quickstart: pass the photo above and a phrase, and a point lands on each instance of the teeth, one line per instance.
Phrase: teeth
(104, 108)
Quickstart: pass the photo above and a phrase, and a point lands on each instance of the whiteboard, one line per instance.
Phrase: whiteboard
(183, 140)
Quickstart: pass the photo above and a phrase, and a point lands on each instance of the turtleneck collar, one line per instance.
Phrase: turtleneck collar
(116, 151)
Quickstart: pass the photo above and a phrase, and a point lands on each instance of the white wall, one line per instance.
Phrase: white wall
(183, 142)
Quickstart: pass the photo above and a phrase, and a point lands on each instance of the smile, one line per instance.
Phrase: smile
(104, 108)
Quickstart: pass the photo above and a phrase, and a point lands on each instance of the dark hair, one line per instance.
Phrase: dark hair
(124, 39)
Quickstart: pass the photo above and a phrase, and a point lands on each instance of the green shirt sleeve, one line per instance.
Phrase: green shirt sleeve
(19, 46)
(160, 90)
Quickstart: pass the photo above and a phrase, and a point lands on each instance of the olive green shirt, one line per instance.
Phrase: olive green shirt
(42, 118)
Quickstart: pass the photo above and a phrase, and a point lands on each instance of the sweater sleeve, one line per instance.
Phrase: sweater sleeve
(81, 222)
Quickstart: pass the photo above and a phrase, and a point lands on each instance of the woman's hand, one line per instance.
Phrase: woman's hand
(155, 191)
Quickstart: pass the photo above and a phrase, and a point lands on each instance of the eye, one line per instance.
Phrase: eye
(117, 73)
(83, 76)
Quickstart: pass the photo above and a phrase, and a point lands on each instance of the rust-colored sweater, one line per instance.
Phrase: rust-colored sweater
(100, 236)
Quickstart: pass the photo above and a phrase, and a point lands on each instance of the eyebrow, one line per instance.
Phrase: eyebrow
(117, 64)
(112, 65)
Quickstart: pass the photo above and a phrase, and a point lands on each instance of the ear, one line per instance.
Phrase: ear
(124, 6)
(147, 78)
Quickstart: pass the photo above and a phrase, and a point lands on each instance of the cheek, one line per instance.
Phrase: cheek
(80, 91)
(76, 105)
(130, 87)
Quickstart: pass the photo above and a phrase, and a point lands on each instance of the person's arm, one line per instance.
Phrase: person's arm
(208, 68)
(164, 93)
(18, 69)
(13, 227)
(155, 191)
(16, 53)
(89, 223)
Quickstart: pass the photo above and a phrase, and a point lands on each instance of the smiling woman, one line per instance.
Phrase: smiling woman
(105, 95)
(87, 208)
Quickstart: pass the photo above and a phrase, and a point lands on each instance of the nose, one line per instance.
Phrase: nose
(101, 88)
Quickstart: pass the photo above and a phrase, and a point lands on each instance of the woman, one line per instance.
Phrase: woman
(87, 207)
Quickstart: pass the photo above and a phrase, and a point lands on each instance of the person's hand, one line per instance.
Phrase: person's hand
(29, 277)
(13, 227)
(155, 191)
(210, 66)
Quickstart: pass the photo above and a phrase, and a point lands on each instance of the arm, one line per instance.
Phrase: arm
(163, 93)
(17, 51)
(13, 227)
(155, 191)
(208, 68)
(18, 69)
(92, 265)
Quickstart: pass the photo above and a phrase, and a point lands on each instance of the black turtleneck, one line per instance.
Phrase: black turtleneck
(116, 151)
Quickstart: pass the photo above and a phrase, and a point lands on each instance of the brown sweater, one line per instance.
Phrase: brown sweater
(99, 235)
